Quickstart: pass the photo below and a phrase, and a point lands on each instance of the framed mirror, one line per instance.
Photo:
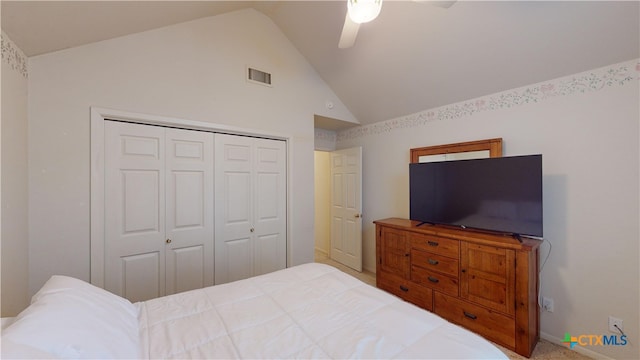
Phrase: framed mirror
(458, 151)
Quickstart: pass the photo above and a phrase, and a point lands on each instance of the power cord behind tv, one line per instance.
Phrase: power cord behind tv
(544, 262)
(617, 327)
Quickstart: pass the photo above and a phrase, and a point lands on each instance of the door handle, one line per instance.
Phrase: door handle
(168, 241)
(358, 215)
(252, 230)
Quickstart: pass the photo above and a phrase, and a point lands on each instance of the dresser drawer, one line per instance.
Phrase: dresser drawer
(434, 262)
(434, 280)
(407, 290)
(491, 325)
(437, 245)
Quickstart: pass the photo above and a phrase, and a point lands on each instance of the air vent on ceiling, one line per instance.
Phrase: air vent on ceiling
(258, 76)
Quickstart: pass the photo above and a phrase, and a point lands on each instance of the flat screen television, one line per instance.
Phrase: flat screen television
(502, 194)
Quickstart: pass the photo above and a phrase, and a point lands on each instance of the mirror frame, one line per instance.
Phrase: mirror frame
(493, 145)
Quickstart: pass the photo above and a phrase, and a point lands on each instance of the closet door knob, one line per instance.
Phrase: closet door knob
(168, 241)
(252, 230)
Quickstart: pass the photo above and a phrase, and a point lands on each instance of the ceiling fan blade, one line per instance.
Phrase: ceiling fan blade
(443, 4)
(440, 4)
(349, 33)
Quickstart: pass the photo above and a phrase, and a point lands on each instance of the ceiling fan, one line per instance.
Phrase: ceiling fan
(362, 11)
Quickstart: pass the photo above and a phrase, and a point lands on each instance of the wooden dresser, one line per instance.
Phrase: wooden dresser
(485, 282)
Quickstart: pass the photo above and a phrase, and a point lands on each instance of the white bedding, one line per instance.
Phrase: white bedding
(308, 311)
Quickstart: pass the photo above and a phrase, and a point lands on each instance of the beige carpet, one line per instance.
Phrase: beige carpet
(544, 350)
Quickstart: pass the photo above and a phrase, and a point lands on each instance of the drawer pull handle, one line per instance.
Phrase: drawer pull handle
(433, 262)
(404, 288)
(432, 243)
(433, 279)
(470, 315)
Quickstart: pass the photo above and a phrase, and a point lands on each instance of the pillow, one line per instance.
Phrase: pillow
(69, 318)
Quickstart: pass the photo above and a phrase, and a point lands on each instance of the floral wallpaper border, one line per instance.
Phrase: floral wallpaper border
(322, 134)
(13, 56)
(595, 80)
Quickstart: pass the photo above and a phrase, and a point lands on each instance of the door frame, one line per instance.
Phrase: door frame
(97, 144)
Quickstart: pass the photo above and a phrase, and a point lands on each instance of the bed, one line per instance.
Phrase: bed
(307, 311)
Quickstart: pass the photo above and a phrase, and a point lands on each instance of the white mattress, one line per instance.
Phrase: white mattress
(308, 311)
(6, 321)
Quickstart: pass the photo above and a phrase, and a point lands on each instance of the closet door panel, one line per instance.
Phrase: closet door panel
(250, 207)
(173, 223)
(189, 210)
(142, 278)
(189, 268)
(140, 207)
(134, 210)
(188, 190)
(270, 208)
(233, 208)
(239, 262)
(237, 200)
(270, 254)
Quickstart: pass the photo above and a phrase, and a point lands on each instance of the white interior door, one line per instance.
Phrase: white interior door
(189, 210)
(234, 205)
(346, 207)
(270, 188)
(250, 222)
(158, 210)
(134, 210)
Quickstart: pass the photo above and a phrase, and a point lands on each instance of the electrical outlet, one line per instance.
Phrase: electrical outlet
(613, 322)
(547, 304)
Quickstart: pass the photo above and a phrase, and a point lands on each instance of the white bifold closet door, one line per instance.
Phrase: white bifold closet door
(250, 207)
(158, 210)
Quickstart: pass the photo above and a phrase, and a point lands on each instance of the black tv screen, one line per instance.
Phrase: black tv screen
(501, 194)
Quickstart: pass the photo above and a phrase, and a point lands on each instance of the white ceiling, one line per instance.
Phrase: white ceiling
(413, 57)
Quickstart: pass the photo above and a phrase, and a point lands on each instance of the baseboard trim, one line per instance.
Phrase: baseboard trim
(579, 349)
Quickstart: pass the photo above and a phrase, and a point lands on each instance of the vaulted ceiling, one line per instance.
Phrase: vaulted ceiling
(413, 57)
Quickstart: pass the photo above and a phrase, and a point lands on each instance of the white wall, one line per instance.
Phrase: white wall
(587, 128)
(14, 231)
(193, 71)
